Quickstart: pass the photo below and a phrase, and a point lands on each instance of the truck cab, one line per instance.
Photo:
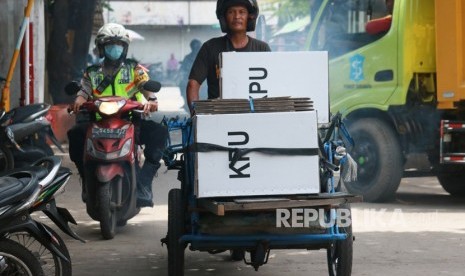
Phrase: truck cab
(387, 84)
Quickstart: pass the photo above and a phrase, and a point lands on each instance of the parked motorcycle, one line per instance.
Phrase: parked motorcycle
(24, 131)
(112, 158)
(31, 189)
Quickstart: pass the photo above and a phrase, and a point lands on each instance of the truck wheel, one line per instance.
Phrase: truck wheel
(452, 179)
(379, 158)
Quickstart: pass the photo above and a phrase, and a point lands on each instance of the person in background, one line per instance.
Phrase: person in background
(118, 76)
(383, 24)
(171, 67)
(186, 66)
(236, 17)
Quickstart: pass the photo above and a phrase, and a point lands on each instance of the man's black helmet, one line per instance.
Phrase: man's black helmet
(223, 5)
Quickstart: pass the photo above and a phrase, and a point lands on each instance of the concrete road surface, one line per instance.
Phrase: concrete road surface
(421, 233)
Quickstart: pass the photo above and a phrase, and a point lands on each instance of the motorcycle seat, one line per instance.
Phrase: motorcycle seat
(24, 114)
(39, 172)
(16, 187)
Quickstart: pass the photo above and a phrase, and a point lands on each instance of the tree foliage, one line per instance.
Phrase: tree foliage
(289, 10)
(69, 30)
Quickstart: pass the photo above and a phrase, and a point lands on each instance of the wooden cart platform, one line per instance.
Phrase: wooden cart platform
(323, 200)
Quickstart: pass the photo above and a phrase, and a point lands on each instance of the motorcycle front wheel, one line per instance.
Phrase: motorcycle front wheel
(17, 260)
(107, 209)
(51, 265)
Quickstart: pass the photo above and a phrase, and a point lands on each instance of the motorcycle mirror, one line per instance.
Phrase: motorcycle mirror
(72, 88)
(152, 86)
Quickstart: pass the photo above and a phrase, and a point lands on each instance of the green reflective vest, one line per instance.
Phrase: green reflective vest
(122, 85)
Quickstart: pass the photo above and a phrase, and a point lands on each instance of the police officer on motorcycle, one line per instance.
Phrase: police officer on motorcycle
(118, 76)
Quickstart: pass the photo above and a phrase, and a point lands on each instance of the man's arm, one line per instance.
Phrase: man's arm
(197, 75)
(86, 87)
(84, 94)
(192, 92)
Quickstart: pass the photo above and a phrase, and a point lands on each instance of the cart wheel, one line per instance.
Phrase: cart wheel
(339, 254)
(175, 231)
(237, 254)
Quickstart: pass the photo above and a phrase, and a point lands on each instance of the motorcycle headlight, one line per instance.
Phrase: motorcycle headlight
(110, 108)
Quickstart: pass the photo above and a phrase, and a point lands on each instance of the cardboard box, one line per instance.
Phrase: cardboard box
(273, 74)
(257, 173)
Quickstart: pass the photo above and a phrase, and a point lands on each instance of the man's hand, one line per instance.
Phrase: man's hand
(150, 106)
(77, 103)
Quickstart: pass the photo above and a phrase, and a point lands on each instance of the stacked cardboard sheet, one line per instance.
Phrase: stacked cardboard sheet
(260, 105)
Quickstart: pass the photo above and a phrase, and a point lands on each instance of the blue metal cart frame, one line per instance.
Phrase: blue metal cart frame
(184, 209)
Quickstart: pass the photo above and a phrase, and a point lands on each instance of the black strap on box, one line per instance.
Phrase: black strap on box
(238, 153)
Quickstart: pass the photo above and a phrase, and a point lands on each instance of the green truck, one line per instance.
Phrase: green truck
(401, 90)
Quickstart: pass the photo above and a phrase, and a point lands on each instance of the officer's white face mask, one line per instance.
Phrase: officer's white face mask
(113, 51)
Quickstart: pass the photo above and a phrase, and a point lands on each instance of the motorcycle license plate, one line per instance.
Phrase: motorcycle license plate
(112, 133)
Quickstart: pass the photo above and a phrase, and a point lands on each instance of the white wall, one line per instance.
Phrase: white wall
(159, 43)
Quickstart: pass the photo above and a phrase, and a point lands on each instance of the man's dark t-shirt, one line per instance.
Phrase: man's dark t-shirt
(206, 64)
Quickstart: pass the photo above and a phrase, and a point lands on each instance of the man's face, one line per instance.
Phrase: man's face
(236, 18)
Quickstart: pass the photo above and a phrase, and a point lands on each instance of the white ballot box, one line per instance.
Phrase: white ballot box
(283, 157)
(275, 74)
